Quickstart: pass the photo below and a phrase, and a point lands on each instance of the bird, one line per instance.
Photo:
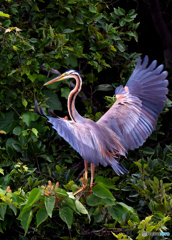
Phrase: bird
(125, 126)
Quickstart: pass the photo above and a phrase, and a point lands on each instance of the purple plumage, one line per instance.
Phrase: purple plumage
(126, 125)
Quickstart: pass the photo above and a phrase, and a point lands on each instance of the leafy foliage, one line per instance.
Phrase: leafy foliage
(92, 36)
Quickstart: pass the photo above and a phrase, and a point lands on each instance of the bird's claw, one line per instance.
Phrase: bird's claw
(84, 181)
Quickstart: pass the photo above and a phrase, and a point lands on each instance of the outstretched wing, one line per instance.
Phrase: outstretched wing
(82, 139)
(134, 114)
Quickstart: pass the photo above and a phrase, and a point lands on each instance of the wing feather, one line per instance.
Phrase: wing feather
(135, 114)
(83, 138)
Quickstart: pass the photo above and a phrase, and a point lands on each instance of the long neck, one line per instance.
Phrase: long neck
(75, 116)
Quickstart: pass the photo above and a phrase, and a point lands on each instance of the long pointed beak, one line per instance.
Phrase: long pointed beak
(57, 79)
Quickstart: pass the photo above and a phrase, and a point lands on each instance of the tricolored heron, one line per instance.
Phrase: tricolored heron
(126, 125)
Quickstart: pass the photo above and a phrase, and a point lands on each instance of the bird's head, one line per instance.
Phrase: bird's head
(68, 74)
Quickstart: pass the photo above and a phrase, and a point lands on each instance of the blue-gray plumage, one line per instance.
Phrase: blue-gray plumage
(126, 125)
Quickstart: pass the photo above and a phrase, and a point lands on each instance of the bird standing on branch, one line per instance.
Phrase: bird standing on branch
(126, 125)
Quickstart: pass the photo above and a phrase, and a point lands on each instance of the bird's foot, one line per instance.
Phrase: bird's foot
(84, 181)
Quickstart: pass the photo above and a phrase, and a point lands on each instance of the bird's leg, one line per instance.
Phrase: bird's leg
(86, 164)
(84, 179)
(93, 168)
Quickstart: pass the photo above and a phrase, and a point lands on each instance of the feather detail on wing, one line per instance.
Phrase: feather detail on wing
(134, 115)
(83, 138)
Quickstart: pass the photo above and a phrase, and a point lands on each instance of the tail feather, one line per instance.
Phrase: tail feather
(40, 110)
(118, 168)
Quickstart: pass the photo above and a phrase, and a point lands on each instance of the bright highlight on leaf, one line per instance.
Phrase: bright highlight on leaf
(24, 102)
(1, 171)
(4, 15)
(102, 192)
(34, 130)
(33, 197)
(2, 132)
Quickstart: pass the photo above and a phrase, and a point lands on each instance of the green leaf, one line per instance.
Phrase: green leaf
(169, 161)
(121, 11)
(6, 23)
(109, 201)
(3, 209)
(105, 182)
(67, 30)
(121, 47)
(131, 210)
(98, 115)
(66, 215)
(158, 151)
(131, 12)
(122, 22)
(33, 40)
(102, 192)
(34, 130)
(17, 130)
(68, 9)
(169, 147)
(80, 207)
(4, 15)
(51, 32)
(71, 61)
(128, 208)
(49, 204)
(29, 117)
(41, 216)
(7, 123)
(28, 47)
(1, 171)
(128, 19)
(69, 202)
(53, 101)
(25, 133)
(26, 219)
(13, 208)
(93, 8)
(79, 21)
(24, 102)
(47, 158)
(148, 151)
(93, 200)
(61, 193)
(12, 72)
(33, 77)
(17, 146)
(34, 196)
(116, 212)
(65, 92)
(10, 142)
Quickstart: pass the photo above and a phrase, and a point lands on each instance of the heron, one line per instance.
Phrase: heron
(125, 126)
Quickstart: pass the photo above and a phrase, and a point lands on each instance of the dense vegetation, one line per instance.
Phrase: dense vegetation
(39, 170)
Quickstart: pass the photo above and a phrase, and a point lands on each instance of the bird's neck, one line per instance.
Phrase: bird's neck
(75, 116)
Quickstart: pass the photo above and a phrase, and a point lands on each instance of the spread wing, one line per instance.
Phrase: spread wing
(83, 140)
(134, 115)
